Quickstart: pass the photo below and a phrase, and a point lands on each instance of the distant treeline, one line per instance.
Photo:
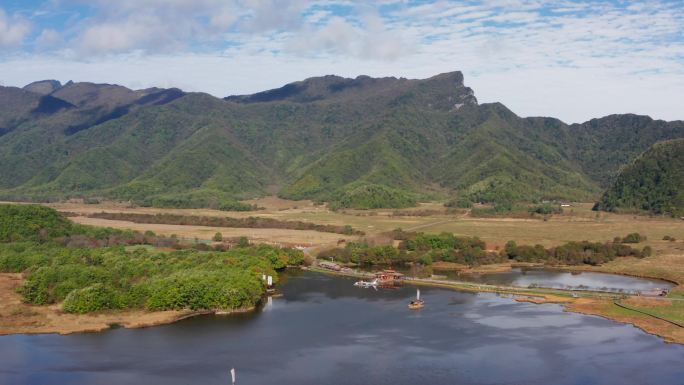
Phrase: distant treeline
(516, 210)
(251, 222)
(35, 223)
(574, 253)
(416, 247)
(428, 248)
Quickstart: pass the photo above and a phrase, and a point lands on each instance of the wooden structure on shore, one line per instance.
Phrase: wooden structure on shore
(388, 277)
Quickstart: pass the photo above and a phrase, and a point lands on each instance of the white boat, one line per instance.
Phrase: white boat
(373, 283)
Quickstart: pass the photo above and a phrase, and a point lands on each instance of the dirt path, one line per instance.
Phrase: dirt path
(424, 226)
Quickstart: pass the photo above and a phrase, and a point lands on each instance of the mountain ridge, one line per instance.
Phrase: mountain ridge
(326, 138)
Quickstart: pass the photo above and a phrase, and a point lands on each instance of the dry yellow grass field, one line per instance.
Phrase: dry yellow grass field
(271, 236)
(575, 224)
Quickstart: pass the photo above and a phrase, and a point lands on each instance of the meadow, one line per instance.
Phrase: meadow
(576, 223)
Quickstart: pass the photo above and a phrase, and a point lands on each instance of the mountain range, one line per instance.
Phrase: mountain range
(363, 142)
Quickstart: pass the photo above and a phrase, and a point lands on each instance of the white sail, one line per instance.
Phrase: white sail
(232, 374)
(418, 294)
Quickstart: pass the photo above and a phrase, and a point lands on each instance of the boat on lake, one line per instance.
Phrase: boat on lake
(416, 303)
(374, 283)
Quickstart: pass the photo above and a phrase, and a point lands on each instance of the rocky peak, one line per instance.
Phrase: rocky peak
(43, 87)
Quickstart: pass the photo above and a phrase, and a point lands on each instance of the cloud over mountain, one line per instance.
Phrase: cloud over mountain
(574, 57)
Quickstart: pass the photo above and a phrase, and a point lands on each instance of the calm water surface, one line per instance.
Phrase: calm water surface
(556, 279)
(326, 331)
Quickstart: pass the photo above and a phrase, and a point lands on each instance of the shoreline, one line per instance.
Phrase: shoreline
(17, 317)
(588, 303)
(26, 319)
(597, 269)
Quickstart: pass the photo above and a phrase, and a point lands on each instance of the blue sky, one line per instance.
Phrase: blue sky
(570, 59)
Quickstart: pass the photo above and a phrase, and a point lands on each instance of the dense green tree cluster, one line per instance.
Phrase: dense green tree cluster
(573, 253)
(65, 262)
(197, 199)
(429, 248)
(92, 279)
(372, 196)
(421, 248)
(40, 224)
(423, 242)
(32, 223)
(654, 182)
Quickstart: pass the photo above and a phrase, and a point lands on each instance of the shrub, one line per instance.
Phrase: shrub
(460, 202)
(634, 238)
(243, 242)
(218, 237)
(546, 209)
(647, 251)
(93, 298)
(372, 196)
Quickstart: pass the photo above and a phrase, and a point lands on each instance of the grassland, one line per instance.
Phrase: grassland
(577, 223)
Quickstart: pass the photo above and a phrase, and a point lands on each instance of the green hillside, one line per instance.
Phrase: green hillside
(654, 182)
(360, 142)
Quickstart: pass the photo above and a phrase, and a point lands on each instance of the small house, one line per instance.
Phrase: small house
(388, 276)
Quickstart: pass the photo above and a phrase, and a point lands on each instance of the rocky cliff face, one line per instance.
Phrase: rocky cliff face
(43, 87)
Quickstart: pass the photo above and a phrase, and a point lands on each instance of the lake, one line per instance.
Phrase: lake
(555, 279)
(323, 330)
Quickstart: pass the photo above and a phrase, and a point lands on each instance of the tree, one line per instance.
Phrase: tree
(218, 237)
(243, 242)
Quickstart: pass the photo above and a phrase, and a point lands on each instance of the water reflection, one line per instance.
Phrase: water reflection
(326, 331)
(526, 277)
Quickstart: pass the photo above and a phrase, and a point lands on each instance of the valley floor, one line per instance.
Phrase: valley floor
(577, 223)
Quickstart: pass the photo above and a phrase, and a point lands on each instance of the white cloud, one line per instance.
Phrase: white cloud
(368, 38)
(13, 30)
(138, 31)
(49, 39)
(160, 26)
(574, 60)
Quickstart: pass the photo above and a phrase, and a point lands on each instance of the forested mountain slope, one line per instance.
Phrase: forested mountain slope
(360, 142)
(653, 182)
